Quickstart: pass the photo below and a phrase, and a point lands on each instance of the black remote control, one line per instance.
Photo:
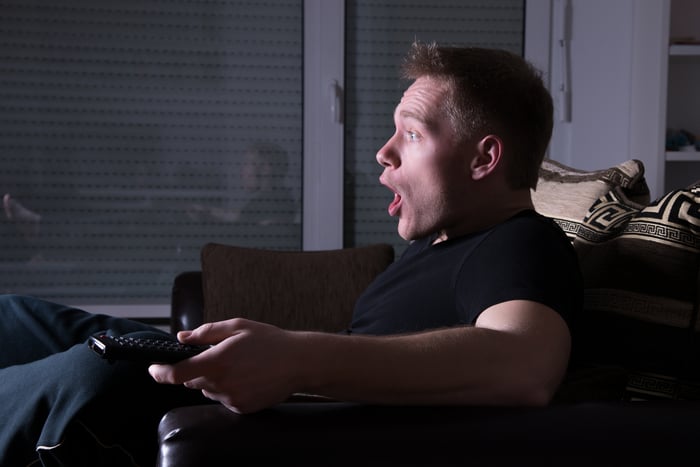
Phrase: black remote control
(142, 349)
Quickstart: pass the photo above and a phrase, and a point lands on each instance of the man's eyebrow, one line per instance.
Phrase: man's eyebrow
(428, 123)
(413, 115)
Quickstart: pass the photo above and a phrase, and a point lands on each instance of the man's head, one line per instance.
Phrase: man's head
(471, 132)
(491, 91)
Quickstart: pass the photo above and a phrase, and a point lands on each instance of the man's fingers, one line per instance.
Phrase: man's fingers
(177, 373)
(212, 333)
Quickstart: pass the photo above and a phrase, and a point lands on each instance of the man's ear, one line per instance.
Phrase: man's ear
(488, 157)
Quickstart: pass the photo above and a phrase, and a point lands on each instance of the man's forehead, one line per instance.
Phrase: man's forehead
(425, 88)
(422, 99)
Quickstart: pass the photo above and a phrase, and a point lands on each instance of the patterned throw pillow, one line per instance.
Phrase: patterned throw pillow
(640, 262)
(565, 194)
(640, 266)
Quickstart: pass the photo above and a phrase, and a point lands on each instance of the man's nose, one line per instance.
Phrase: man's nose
(387, 155)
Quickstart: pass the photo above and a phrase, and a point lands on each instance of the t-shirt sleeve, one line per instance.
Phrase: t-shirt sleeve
(529, 259)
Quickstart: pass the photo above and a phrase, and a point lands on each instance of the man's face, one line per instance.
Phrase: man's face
(256, 172)
(424, 163)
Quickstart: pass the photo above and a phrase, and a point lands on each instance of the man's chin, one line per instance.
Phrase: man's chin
(410, 234)
(404, 233)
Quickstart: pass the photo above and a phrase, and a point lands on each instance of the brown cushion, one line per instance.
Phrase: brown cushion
(311, 290)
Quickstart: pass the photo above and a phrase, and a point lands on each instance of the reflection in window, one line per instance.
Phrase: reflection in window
(136, 132)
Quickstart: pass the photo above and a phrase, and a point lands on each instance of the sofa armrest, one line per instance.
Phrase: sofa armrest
(187, 301)
(344, 434)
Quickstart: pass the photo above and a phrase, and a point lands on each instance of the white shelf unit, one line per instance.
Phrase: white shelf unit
(683, 92)
(684, 49)
(682, 156)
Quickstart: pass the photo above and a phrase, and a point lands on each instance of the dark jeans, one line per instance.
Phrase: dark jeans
(63, 404)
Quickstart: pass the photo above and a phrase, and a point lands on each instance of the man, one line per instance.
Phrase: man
(476, 311)
(261, 176)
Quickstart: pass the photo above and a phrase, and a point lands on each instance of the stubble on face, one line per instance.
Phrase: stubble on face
(429, 167)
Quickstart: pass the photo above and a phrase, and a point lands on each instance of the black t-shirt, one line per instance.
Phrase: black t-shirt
(527, 257)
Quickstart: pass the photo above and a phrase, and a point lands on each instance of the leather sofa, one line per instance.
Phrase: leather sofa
(605, 430)
(632, 402)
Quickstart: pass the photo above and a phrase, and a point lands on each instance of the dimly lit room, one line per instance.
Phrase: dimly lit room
(349, 232)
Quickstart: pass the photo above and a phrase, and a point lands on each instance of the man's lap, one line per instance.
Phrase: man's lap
(51, 381)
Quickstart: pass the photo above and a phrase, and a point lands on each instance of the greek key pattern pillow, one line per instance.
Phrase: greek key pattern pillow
(640, 266)
(566, 194)
(673, 220)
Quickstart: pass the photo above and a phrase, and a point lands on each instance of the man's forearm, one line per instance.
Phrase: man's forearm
(464, 365)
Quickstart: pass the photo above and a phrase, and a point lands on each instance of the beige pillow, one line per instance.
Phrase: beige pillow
(565, 194)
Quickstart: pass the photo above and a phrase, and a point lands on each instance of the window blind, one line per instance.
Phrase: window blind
(379, 33)
(133, 132)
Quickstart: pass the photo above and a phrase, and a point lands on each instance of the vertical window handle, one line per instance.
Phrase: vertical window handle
(565, 58)
(336, 101)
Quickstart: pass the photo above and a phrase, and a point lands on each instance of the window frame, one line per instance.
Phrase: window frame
(324, 57)
(323, 130)
(324, 82)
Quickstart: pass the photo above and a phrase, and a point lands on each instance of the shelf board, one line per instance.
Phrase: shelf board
(682, 156)
(684, 49)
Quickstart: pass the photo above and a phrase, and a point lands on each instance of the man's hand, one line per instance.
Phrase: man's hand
(251, 367)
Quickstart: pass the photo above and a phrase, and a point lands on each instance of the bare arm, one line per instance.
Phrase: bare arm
(516, 354)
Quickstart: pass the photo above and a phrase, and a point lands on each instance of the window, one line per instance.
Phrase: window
(130, 132)
(135, 132)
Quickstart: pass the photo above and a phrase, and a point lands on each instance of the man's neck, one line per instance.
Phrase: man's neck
(487, 215)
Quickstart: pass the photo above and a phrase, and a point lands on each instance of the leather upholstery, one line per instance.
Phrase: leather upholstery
(187, 301)
(342, 434)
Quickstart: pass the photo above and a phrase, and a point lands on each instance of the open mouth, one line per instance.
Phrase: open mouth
(395, 205)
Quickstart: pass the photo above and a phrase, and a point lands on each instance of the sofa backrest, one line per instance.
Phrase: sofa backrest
(307, 290)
